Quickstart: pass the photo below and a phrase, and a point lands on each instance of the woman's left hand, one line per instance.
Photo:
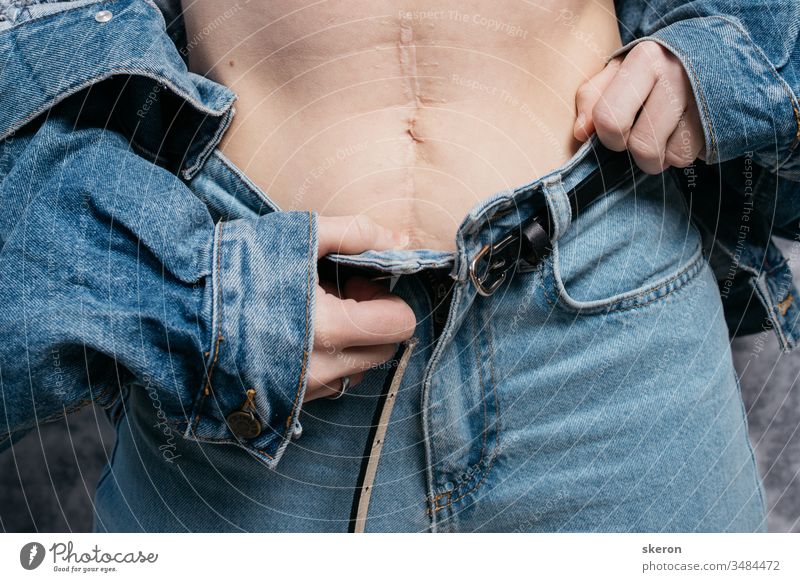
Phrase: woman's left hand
(643, 102)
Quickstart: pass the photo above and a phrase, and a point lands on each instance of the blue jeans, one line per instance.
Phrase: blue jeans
(591, 392)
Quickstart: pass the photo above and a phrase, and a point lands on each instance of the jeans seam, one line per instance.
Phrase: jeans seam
(306, 352)
(759, 284)
(497, 412)
(218, 337)
(245, 181)
(753, 460)
(482, 461)
(303, 369)
(661, 291)
(701, 94)
(479, 462)
(488, 464)
(479, 359)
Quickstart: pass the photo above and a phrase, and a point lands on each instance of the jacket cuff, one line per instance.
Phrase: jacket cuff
(745, 105)
(264, 282)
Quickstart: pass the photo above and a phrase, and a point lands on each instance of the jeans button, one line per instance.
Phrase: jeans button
(244, 424)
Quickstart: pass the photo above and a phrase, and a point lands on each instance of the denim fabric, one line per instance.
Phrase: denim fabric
(594, 392)
(139, 270)
(112, 272)
(742, 60)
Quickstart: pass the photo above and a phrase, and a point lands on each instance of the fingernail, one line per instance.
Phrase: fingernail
(402, 239)
(580, 120)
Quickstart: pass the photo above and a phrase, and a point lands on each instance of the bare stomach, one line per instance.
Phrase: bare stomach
(407, 112)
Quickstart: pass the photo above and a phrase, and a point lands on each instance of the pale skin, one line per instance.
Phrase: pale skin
(641, 101)
(360, 328)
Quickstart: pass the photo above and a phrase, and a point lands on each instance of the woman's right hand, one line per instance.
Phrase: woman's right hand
(360, 328)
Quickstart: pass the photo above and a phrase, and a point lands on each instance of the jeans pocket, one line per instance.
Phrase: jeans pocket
(630, 248)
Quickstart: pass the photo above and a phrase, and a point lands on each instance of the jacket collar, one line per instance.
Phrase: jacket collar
(50, 55)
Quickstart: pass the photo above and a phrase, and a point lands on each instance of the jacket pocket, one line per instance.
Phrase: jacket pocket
(630, 248)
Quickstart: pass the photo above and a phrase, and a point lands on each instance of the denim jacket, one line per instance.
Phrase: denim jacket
(114, 272)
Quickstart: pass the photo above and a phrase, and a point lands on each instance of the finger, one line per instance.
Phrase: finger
(357, 288)
(351, 362)
(354, 235)
(657, 121)
(687, 142)
(362, 289)
(330, 365)
(360, 359)
(351, 323)
(330, 388)
(587, 97)
(617, 108)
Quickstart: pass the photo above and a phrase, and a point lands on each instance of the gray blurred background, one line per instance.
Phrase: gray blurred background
(47, 481)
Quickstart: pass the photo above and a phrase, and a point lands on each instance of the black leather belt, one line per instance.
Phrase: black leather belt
(531, 240)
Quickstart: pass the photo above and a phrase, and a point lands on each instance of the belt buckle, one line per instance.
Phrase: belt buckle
(497, 267)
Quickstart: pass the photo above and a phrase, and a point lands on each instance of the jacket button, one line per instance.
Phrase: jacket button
(103, 16)
(244, 424)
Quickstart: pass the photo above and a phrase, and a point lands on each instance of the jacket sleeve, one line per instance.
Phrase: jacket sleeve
(743, 61)
(113, 273)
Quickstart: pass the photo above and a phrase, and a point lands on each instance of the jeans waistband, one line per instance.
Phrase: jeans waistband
(491, 220)
(485, 224)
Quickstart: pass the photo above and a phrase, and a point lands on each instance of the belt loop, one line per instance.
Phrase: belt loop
(531, 240)
(557, 201)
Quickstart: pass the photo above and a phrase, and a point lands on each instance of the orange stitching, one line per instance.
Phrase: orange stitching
(305, 352)
(473, 488)
(478, 484)
(783, 306)
(775, 325)
(438, 497)
(305, 340)
(220, 338)
(207, 388)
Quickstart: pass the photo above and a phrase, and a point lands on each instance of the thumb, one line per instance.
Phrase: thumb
(587, 97)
